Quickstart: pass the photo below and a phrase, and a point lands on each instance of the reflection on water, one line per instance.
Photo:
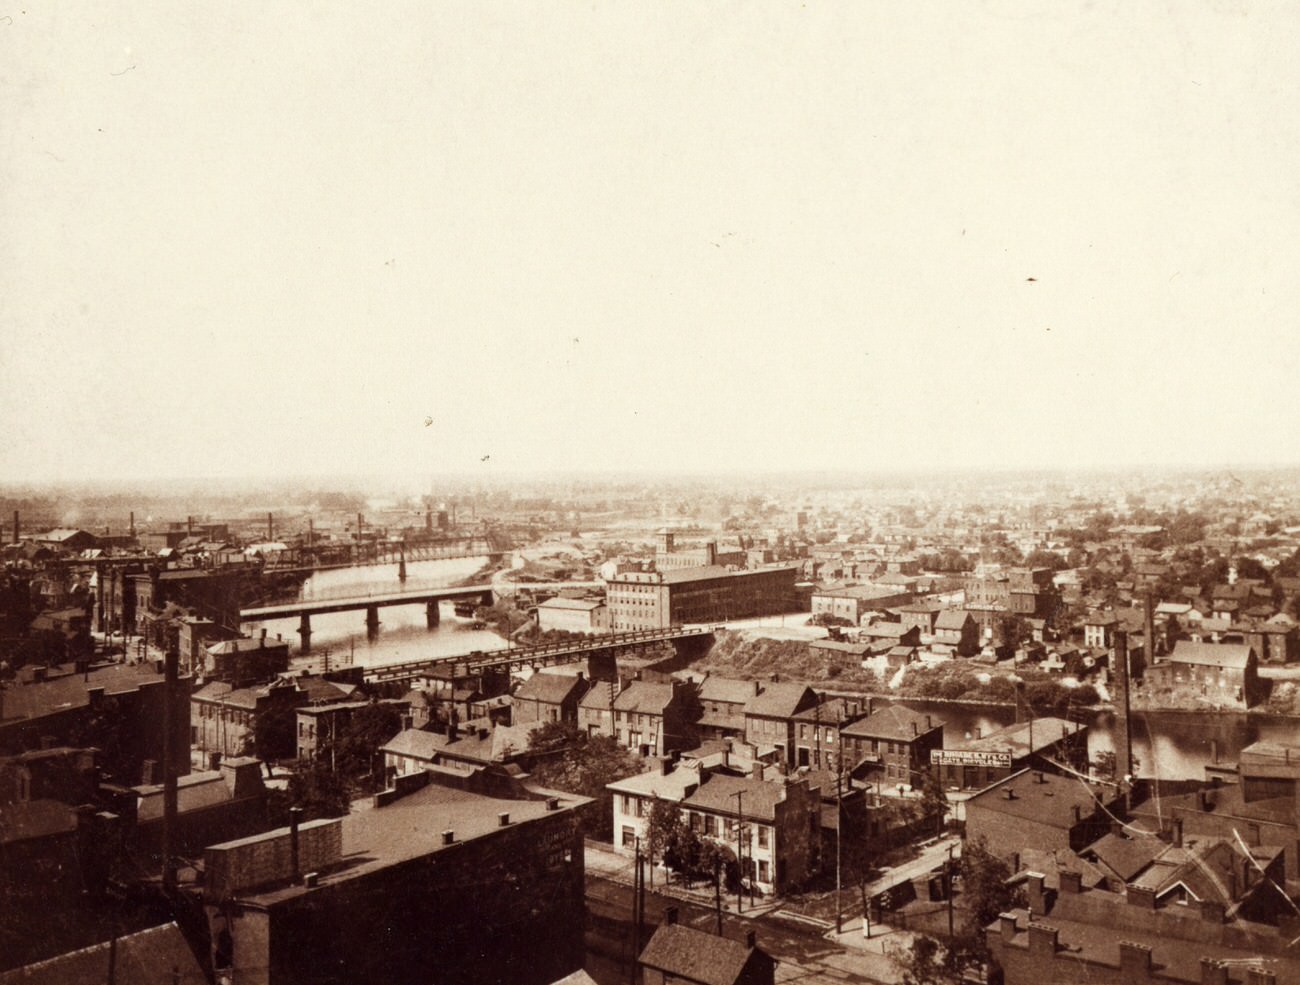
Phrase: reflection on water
(1168, 745)
(403, 634)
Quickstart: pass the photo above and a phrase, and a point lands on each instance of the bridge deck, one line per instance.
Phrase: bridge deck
(550, 653)
(316, 607)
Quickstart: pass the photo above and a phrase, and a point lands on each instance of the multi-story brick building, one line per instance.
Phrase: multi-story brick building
(655, 719)
(1222, 674)
(817, 741)
(851, 603)
(659, 599)
(892, 745)
(976, 762)
(472, 885)
(546, 697)
(770, 717)
(778, 842)
(1041, 810)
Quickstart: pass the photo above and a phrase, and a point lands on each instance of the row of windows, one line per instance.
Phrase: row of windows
(233, 715)
(702, 823)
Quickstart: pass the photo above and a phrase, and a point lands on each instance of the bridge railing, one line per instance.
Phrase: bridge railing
(524, 653)
(351, 594)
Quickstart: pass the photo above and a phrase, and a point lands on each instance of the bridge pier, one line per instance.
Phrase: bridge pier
(372, 621)
(432, 615)
(304, 632)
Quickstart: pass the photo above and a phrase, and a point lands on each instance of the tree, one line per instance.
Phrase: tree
(352, 752)
(934, 802)
(584, 765)
(317, 790)
(275, 733)
(985, 895)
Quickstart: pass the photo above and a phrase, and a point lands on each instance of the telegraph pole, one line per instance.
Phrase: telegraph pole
(740, 865)
(947, 879)
(839, 829)
(717, 891)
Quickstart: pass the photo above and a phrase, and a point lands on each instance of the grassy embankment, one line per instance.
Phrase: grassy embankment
(751, 657)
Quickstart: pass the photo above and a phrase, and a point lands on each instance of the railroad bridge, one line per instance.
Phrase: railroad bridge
(600, 652)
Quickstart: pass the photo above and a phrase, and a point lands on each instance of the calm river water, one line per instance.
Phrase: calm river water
(402, 634)
(1167, 745)
(1170, 745)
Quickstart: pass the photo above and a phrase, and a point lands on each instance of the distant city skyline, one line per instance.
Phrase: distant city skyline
(254, 242)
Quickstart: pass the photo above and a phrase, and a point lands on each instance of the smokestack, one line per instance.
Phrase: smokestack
(16, 528)
(270, 527)
(1149, 627)
(169, 769)
(359, 524)
(428, 521)
(132, 522)
(295, 815)
(1124, 745)
(189, 526)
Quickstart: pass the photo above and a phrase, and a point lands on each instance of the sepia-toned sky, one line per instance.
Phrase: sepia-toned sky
(249, 238)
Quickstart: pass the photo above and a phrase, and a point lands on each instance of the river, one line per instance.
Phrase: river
(1170, 745)
(1167, 745)
(403, 635)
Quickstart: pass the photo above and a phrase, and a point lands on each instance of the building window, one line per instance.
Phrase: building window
(629, 836)
(710, 825)
(762, 836)
(764, 870)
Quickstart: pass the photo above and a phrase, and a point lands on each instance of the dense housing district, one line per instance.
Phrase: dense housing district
(1017, 730)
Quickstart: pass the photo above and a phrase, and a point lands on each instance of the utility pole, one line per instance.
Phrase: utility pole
(740, 864)
(839, 829)
(947, 880)
(717, 891)
(636, 914)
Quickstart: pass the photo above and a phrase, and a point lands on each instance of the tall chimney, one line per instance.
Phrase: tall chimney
(311, 532)
(270, 527)
(16, 526)
(359, 525)
(169, 769)
(189, 526)
(133, 523)
(1149, 627)
(1124, 741)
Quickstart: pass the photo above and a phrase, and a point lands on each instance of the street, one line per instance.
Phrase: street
(804, 955)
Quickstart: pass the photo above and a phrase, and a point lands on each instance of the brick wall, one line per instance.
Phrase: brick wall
(237, 866)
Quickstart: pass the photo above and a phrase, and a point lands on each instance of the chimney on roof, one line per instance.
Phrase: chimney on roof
(758, 688)
(1009, 794)
(670, 915)
(978, 732)
(552, 803)
(1134, 961)
(503, 819)
(751, 939)
(1038, 777)
(448, 837)
(1177, 832)
(928, 724)
(451, 730)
